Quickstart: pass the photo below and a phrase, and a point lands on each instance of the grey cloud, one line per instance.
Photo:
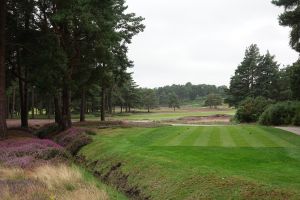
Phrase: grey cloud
(203, 41)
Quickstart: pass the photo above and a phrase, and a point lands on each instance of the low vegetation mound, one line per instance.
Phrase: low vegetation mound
(283, 113)
(73, 139)
(28, 152)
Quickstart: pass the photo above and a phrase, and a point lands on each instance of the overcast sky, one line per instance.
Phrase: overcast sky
(203, 41)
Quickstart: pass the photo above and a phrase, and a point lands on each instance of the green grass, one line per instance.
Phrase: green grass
(221, 162)
(112, 192)
(157, 116)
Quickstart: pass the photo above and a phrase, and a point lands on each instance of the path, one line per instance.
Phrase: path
(295, 130)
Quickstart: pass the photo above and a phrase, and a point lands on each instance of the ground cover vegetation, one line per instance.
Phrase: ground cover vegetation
(220, 162)
(33, 168)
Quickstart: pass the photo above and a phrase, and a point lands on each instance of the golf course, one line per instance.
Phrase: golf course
(149, 100)
(211, 162)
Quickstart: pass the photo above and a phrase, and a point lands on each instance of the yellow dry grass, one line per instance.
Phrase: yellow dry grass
(11, 173)
(49, 182)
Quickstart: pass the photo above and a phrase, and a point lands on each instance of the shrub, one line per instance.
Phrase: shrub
(251, 108)
(27, 152)
(73, 139)
(47, 131)
(283, 113)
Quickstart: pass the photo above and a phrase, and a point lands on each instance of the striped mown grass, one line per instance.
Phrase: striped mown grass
(220, 162)
(222, 136)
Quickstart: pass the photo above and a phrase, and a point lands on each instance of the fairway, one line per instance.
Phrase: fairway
(170, 115)
(221, 136)
(213, 162)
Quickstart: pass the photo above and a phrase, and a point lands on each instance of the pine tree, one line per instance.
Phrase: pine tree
(3, 127)
(267, 75)
(290, 18)
(256, 76)
(295, 81)
(243, 82)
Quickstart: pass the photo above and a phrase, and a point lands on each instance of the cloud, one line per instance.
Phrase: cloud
(203, 41)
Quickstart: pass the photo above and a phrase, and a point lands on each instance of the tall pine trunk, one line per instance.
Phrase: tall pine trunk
(103, 103)
(82, 106)
(66, 113)
(3, 126)
(23, 97)
(32, 104)
(57, 110)
(110, 106)
(13, 103)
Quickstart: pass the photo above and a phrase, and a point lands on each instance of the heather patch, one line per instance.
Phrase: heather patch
(29, 152)
(73, 139)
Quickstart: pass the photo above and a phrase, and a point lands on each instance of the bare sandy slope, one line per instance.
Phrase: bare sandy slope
(295, 130)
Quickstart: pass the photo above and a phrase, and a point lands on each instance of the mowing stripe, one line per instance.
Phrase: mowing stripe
(238, 139)
(190, 139)
(273, 140)
(252, 141)
(226, 137)
(265, 140)
(169, 136)
(186, 131)
(203, 137)
(214, 139)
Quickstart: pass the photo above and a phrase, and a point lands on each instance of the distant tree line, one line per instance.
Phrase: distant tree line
(188, 92)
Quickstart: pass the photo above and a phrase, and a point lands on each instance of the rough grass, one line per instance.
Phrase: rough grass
(47, 182)
(230, 162)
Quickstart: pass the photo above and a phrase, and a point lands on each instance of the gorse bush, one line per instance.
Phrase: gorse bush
(251, 108)
(284, 113)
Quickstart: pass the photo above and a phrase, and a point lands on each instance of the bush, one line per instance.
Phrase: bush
(47, 131)
(25, 153)
(284, 113)
(250, 109)
(73, 139)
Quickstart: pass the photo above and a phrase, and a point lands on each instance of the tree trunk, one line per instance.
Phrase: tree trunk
(66, 113)
(148, 109)
(3, 126)
(13, 103)
(103, 104)
(82, 106)
(23, 99)
(8, 107)
(32, 104)
(110, 106)
(49, 109)
(57, 110)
